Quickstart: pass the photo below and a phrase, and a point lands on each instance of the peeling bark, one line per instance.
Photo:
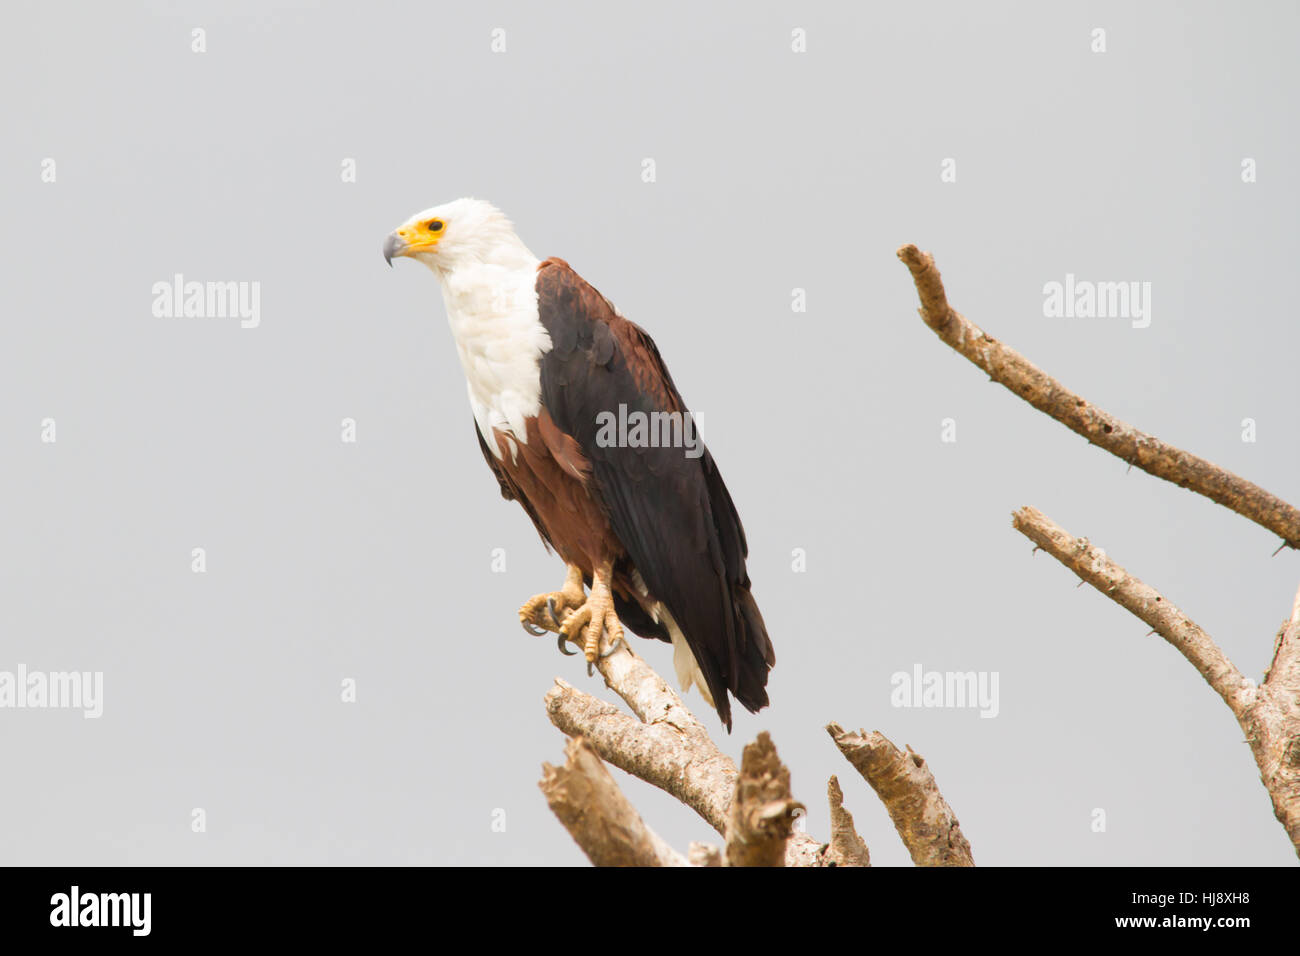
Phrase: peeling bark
(762, 814)
(600, 819)
(674, 753)
(847, 848)
(678, 758)
(905, 785)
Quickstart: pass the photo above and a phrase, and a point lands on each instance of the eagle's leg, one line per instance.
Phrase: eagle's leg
(584, 626)
(546, 612)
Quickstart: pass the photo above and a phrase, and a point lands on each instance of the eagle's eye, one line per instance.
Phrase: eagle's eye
(434, 225)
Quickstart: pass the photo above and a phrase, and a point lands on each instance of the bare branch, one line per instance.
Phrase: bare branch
(678, 756)
(668, 747)
(665, 745)
(1269, 714)
(1273, 727)
(1093, 566)
(1012, 370)
(1284, 671)
(600, 819)
(847, 848)
(904, 783)
(762, 814)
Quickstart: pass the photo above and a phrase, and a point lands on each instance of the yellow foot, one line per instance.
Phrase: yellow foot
(547, 611)
(586, 624)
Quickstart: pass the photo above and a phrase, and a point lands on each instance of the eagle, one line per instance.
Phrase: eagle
(640, 515)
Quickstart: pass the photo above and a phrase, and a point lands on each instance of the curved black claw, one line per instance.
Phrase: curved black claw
(532, 628)
(564, 650)
(550, 609)
(612, 648)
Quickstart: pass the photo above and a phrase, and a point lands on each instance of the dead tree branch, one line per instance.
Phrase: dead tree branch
(677, 756)
(847, 848)
(1269, 714)
(762, 814)
(1091, 564)
(666, 747)
(1013, 371)
(600, 819)
(904, 783)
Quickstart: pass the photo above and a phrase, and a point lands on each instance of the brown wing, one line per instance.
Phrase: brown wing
(670, 509)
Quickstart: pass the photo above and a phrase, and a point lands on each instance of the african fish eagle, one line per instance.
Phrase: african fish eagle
(648, 526)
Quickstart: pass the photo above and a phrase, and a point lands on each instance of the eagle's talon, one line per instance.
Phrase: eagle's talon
(532, 629)
(579, 618)
(544, 610)
(574, 625)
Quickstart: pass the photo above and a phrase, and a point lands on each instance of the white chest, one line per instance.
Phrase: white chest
(500, 339)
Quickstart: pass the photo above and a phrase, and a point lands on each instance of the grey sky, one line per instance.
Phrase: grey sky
(775, 170)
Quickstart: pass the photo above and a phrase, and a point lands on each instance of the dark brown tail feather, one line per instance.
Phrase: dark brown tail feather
(756, 654)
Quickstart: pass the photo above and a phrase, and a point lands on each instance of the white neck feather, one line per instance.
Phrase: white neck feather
(491, 300)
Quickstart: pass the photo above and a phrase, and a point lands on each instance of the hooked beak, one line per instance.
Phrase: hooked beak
(394, 245)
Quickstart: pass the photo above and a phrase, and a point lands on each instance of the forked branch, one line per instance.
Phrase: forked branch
(1269, 713)
(665, 745)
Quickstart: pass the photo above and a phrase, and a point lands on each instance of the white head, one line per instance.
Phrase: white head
(463, 232)
(488, 280)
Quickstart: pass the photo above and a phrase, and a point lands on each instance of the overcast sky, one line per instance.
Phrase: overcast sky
(791, 146)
